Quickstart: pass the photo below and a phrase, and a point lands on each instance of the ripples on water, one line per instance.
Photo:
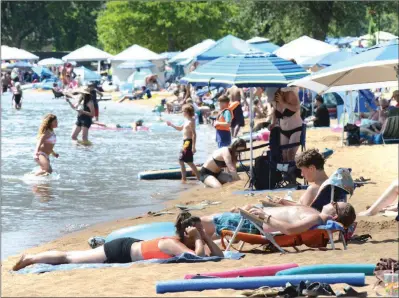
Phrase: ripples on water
(92, 184)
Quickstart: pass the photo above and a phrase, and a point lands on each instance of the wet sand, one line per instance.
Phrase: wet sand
(380, 163)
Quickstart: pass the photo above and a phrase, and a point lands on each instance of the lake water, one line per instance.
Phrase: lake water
(91, 184)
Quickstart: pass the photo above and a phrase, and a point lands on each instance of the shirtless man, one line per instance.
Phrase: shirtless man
(288, 220)
(189, 142)
(236, 94)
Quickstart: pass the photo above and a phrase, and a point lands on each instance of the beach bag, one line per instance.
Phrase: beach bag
(352, 135)
(264, 175)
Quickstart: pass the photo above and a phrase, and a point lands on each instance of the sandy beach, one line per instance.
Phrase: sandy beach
(379, 163)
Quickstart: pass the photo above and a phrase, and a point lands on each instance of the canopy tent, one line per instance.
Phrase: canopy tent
(246, 70)
(341, 41)
(226, 46)
(51, 62)
(87, 53)
(266, 47)
(136, 52)
(86, 74)
(376, 67)
(327, 59)
(379, 36)
(257, 39)
(135, 64)
(138, 77)
(169, 55)
(193, 51)
(10, 53)
(303, 48)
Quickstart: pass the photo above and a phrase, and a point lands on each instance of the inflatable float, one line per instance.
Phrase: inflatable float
(354, 279)
(247, 272)
(145, 231)
(261, 135)
(175, 174)
(367, 269)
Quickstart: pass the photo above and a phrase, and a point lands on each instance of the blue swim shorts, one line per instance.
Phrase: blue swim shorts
(229, 221)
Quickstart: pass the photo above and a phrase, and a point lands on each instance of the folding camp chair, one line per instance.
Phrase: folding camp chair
(391, 130)
(316, 237)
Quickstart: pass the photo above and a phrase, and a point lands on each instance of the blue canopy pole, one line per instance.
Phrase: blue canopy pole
(251, 125)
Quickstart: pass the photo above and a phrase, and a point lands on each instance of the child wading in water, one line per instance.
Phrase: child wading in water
(189, 141)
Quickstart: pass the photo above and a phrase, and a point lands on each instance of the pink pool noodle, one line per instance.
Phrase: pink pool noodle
(248, 272)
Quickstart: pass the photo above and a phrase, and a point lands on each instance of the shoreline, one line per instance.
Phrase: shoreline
(375, 162)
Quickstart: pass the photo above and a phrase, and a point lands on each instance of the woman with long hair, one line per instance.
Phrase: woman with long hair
(45, 144)
(191, 238)
(85, 115)
(212, 174)
(287, 115)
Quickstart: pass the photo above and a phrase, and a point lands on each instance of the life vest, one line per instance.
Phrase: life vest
(221, 118)
(233, 106)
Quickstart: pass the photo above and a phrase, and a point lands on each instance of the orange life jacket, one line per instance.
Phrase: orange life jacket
(221, 118)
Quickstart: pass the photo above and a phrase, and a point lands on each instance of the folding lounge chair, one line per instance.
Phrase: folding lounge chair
(391, 130)
(317, 237)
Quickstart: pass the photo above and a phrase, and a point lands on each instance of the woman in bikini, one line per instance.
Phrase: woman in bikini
(85, 115)
(211, 173)
(287, 109)
(45, 144)
(191, 238)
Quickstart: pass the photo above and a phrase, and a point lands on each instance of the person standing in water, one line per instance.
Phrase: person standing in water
(94, 92)
(17, 93)
(45, 144)
(189, 142)
(85, 115)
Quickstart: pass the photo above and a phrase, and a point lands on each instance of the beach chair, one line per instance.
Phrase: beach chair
(390, 133)
(316, 237)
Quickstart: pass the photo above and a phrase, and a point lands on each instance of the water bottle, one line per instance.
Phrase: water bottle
(289, 196)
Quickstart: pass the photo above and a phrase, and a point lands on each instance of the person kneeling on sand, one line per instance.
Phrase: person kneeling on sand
(288, 220)
(211, 173)
(385, 202)
(191, 238)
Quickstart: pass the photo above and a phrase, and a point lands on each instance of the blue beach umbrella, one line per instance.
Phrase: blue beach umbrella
(20, 64)
(377, 67)
(135, 64)
(246, 70)
(327, 59)
(266, 47)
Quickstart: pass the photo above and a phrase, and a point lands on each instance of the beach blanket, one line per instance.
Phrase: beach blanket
(183, 258)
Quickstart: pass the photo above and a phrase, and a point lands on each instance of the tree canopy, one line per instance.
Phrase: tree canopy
(177, 25)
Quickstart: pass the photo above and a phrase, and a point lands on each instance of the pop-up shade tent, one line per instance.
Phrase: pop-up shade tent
(10, 53)
(136, 52)
(226, 46)
(303, 48)
(86, 74)
(193, 52)
(263, 44)
(87, 53)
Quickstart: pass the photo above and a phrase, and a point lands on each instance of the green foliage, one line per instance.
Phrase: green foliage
(34, 24)
(163, 26)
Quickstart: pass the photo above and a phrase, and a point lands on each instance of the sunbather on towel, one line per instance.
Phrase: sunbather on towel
(191, 238)
(287, 219)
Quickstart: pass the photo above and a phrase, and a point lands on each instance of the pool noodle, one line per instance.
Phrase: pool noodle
(354, 279)
(367, 269)
(248, 272)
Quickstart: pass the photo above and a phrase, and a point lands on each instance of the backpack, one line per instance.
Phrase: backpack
(261, 174)
(352, 134)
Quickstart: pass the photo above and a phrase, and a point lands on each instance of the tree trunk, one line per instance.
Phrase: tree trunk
(171, 43)
(322, 14)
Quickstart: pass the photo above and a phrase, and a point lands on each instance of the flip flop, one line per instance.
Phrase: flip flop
(318, 289)
(361, 238)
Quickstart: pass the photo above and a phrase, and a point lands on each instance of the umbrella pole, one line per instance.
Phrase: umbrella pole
(99, 66)
(343, 120)
(352, 109)
(251, 126)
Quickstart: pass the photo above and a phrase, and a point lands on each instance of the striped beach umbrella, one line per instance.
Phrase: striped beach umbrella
(246, 70)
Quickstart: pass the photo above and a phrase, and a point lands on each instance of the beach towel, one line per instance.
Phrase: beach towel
(183, 258)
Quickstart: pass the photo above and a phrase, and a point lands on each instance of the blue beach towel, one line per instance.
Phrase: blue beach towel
(183, 258)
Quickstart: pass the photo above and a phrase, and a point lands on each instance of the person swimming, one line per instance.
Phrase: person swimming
(191, 238)
(45, 144)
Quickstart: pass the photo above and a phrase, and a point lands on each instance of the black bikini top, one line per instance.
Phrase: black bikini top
(220, 163)
(286, 113)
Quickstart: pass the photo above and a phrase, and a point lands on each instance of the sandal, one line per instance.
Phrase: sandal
(318, 289)
(361, 238)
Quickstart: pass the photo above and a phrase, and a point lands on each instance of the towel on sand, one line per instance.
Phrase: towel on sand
(183, 258)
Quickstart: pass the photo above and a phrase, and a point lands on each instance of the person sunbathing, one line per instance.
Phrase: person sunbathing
(288, 220)
(191, 238)
(385, 202)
